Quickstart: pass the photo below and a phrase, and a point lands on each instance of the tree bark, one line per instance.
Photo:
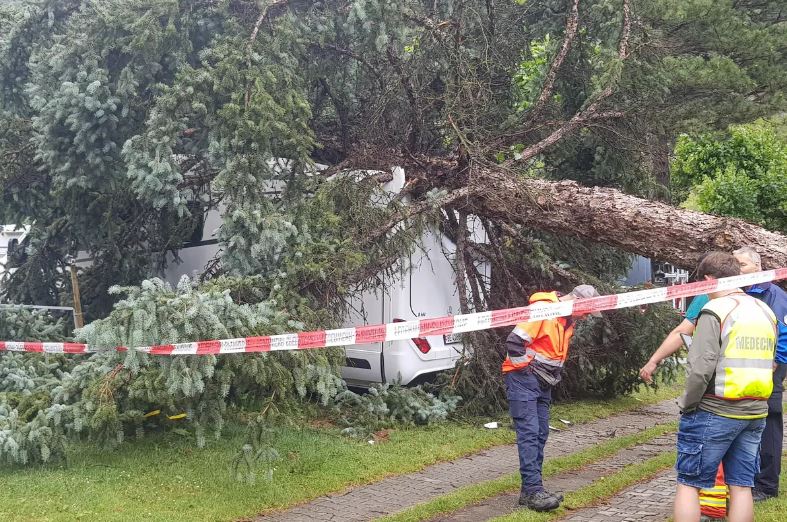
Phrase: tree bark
(649, 228)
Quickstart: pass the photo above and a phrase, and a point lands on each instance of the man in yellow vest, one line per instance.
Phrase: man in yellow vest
(535, 355)
(725, 402)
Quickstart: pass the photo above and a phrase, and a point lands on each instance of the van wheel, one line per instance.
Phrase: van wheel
(424, 378)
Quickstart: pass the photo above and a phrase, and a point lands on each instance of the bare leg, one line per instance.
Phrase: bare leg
(687, 504)
(741, 505)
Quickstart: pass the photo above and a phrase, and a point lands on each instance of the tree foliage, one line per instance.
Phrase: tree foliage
(742, 174)
(192, 105)
(123, 122)
(27, 433)
(110, 395)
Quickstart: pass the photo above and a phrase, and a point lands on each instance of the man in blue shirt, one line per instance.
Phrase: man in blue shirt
(766, 483)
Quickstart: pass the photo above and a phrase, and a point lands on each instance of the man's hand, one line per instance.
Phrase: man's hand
(646, 372)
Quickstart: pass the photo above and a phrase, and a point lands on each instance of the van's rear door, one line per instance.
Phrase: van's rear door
(364, 361)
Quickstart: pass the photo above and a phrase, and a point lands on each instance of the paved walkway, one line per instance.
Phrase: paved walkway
(647, 502)
(569, 481)
(394, 494)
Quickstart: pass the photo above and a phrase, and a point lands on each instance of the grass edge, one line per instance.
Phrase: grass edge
(475, 493)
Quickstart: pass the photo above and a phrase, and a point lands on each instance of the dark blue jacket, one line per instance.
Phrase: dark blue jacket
(776, 299)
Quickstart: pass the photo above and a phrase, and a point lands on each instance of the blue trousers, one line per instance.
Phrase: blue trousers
(528, 403)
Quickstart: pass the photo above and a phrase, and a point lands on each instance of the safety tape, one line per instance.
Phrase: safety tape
(452, 324)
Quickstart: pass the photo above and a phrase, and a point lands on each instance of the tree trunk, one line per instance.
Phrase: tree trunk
(608, 216)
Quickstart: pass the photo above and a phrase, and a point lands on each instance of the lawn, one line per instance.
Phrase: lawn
(164, 477)
(775, 509)
(475, 493)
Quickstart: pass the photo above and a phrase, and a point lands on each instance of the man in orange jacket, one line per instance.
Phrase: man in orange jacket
(536, 353)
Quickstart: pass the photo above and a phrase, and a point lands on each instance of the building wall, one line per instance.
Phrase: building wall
(9, 233)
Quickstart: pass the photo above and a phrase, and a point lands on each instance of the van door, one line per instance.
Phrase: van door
(364, 362)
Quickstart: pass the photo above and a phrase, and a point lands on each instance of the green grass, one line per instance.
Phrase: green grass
(582, 411)
(598, 491)
(585, 411)
(165, 477)
(774, 510)
(477, 492)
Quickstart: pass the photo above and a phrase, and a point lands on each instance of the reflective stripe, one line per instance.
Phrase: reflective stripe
(726, 328)
(762, 364)
(522, 335)
(742, 382)
(719, 502)
(719, 490)
(545, 360)
(522, 359)
(713, 501)
(719, 381)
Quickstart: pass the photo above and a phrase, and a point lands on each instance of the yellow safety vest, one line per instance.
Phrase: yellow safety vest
(748, 344)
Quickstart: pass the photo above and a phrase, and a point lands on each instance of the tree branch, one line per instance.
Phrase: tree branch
(460, 271)
(591, 112)
(277, 6)
(623, 46)
(572, 23)
(649, 228)
(351, 54)
(417, 209)
(409, 89)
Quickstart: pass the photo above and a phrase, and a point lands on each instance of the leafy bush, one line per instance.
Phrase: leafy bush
(743, 174)
(606, 354)
(387, 404)
(24, 324)
(29, 431)
(105, 397)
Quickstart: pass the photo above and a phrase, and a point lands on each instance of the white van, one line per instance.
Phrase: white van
(424, 287)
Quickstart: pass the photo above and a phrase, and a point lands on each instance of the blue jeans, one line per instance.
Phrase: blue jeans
(528, 403)
(706, 439)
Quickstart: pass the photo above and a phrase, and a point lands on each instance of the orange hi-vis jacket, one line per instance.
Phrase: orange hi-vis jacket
(544, 344)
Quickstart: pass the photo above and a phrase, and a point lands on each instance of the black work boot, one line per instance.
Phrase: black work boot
(539, 501)
(558, 496)
(758, 495)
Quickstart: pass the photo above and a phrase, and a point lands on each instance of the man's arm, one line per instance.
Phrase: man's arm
(521, 337)
(669, 346)
(781, 343)
(703, 358)
(776, 299)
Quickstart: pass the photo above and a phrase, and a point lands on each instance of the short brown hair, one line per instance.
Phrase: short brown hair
(718, 265)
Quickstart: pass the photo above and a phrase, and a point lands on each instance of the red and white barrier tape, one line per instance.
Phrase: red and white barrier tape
(452, 324)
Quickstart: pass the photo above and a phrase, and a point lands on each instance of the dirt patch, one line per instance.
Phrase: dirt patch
(322, 424)
(381, 436)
